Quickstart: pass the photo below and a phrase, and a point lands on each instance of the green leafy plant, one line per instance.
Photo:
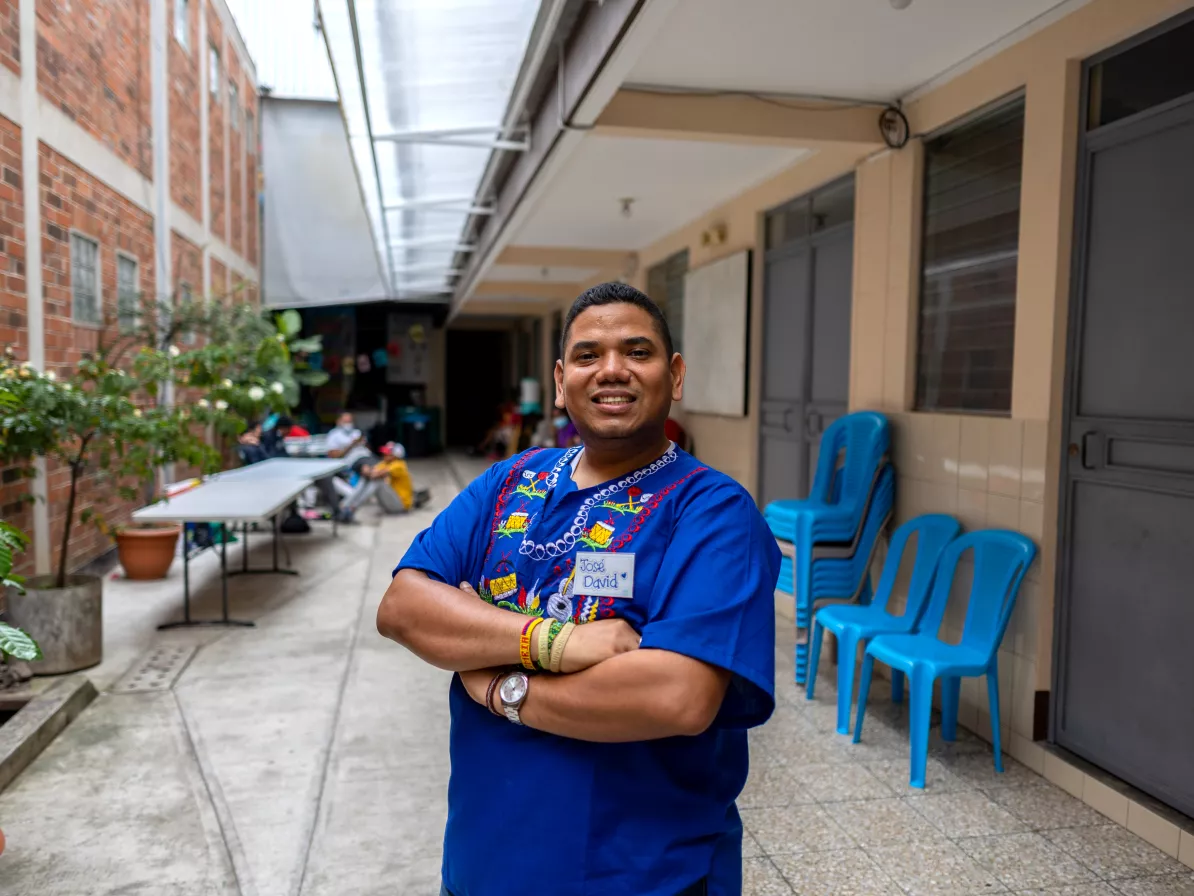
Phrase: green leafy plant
(13, 641)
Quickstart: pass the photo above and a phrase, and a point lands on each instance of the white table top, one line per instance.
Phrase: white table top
(232, 501)
(283, 468)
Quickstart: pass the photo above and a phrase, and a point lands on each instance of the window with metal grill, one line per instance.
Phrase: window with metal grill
(84, 279)
(127, 293)
(665, 286)
(968, 276)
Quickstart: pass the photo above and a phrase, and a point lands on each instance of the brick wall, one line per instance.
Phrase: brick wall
(10, 35)
(236, 143)
(73, 199)
(13, 322)
(187, 264)
(252, 187)
(93, 64)
(215, 128)
(185, 149)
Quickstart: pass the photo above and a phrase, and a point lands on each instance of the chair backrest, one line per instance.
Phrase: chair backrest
(933, 533)
(1001, 558)
(850, 453)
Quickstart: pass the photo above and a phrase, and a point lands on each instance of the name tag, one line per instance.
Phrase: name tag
(604, 575)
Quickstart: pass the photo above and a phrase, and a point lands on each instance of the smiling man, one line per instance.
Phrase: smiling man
(609, 612)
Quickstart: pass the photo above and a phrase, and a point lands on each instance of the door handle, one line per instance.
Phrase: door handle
(1094, 451)
(813, 423)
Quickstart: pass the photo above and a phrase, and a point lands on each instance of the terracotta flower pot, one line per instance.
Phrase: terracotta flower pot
(147, 550)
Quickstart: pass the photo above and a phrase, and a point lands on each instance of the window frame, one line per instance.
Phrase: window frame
(215, 68)
(671, 313)
(233, 105)
(97, 275)
(919, 357)
(182, 24)
(122, 256)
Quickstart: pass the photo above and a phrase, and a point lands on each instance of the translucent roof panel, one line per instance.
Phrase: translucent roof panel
(413, 74)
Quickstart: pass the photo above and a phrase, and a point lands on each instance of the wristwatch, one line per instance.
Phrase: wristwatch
(513, 693)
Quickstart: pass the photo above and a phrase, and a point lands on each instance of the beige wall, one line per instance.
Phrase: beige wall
(731, 443)
(990, 472)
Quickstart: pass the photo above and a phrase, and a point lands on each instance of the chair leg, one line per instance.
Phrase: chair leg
(951, 693)
(814, 656)
(847, 656)
(996, 724)
(897, 686)
(918, 733)
(864, 688)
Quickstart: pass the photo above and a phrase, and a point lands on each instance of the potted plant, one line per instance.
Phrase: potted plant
(104, 427)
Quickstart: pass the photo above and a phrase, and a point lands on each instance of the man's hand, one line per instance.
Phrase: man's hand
(596, 642)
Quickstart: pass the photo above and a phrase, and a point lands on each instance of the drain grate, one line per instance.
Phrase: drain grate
(157, 670)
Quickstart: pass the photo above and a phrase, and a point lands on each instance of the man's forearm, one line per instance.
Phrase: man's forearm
(447, 627)
(640, 695)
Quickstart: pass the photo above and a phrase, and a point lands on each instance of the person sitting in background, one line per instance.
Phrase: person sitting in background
(249, 447)
(389, 480)
(288, 429)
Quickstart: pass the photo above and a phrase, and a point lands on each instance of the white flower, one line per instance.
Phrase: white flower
(26, 365)
(136, 412)
(256, 393)
(51, 375)
(202, 402)
(227, 384)
(175, 351)
(221, 405)
(277, 388)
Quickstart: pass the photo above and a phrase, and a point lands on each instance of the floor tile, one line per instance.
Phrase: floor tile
(1021, 861)
(1165, 885)
(1094, 889)
(848, 872)
(879, 822)
(761, 878)
(795, 829)
(966, 814)
(1113, 853)
(934, 869)
(772, 785)
(978, 770)
(750, 846)
(938, 779)
(836, 783)
(1045, 808)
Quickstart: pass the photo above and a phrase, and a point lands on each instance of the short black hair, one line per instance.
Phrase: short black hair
(615, 293)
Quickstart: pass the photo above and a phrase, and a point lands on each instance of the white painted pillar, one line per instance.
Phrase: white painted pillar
(205, 147)
(34, 299)
(159, 92)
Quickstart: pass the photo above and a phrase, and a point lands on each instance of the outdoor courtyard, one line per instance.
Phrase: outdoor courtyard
(308, 756)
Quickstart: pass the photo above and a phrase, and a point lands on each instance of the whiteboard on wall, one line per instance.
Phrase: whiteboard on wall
(716, 328)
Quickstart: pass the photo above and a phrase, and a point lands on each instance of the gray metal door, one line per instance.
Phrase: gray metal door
(1123, 678)
(806, 335)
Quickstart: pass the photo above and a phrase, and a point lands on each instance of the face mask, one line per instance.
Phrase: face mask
(560, 422)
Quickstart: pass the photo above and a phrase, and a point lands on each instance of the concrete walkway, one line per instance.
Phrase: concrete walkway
(308, 757)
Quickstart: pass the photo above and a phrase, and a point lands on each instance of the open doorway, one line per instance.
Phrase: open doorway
(475, 383)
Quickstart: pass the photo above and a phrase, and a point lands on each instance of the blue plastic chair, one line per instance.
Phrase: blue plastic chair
(1001, 559)
(853, 625)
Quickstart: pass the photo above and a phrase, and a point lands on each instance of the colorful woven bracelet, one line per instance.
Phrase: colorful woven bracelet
(524, 643)
(557, 649)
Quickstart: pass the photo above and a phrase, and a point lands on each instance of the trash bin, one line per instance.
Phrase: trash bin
(414, 431)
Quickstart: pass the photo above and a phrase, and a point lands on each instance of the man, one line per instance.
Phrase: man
(345, 441)
(616, 774)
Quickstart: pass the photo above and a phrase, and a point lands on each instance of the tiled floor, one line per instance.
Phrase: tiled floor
(824, 816)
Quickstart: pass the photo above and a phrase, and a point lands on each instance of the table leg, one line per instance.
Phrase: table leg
(276, 536)
(187, 621)
(244, 548)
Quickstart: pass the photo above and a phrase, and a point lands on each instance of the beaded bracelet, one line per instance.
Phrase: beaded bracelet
(489, 693)
(544, 652)
(557, 648)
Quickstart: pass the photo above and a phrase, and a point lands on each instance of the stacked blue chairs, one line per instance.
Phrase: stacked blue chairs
(1001, 560)
(854, 625)
(830, 538)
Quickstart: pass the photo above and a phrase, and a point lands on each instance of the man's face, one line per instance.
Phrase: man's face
(615, 379)
(345, 421)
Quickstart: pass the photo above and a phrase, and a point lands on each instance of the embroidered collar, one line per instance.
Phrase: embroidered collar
(564, 545)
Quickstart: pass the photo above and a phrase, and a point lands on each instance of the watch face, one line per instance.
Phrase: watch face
(513, 689)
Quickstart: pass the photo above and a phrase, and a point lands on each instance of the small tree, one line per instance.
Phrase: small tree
(109, 421)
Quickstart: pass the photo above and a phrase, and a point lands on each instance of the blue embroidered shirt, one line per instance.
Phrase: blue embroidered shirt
(586, 819)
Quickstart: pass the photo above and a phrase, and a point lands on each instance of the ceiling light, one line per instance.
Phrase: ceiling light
(900, 4)
(626, 203)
